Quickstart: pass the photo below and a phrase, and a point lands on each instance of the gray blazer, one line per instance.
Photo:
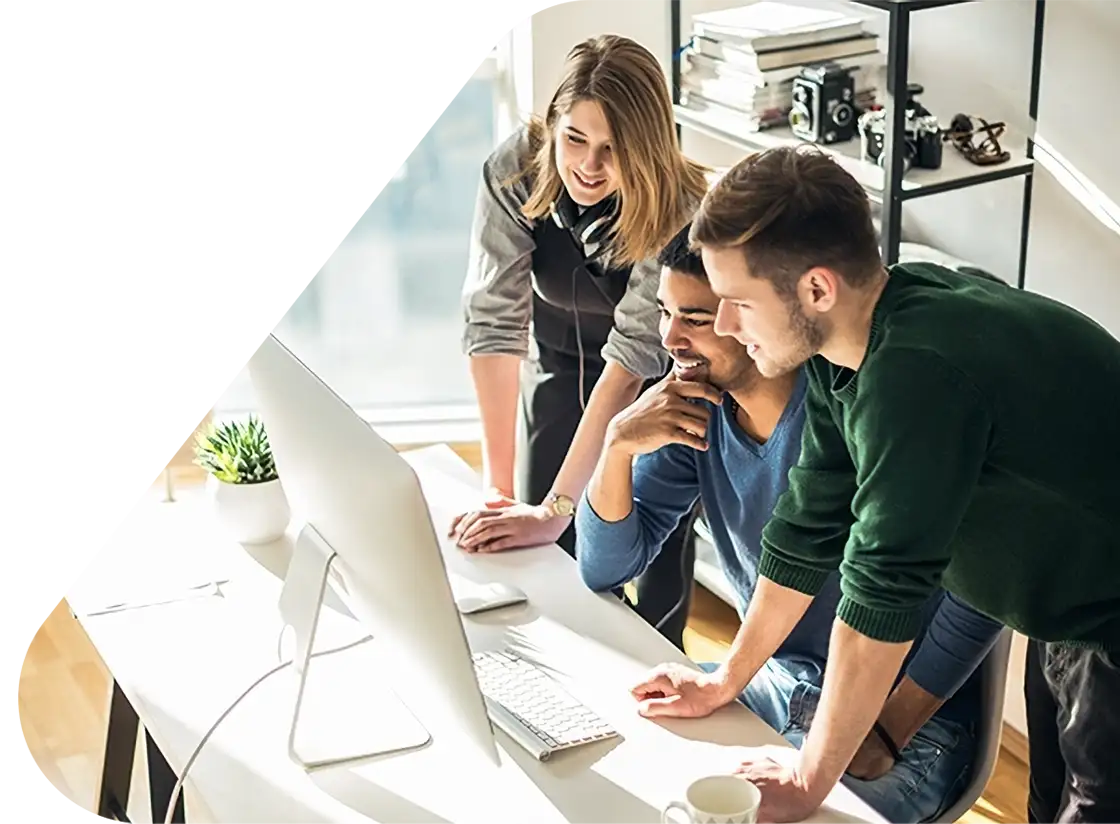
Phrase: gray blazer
(497, 294)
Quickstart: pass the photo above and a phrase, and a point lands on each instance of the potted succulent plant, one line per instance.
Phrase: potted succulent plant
(242, 481)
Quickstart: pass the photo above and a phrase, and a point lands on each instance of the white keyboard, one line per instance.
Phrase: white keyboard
(533, 708)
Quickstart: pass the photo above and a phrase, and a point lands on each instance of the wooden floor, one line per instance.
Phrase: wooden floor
(64, 697)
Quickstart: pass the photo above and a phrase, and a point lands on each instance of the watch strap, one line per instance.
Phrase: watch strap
(888, 742)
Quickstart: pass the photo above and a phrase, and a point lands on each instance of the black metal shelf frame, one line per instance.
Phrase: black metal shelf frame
(898, 61)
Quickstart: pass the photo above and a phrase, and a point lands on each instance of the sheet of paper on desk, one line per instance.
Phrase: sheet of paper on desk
(155, 598)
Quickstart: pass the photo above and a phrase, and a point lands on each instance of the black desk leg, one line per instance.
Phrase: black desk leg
(116, 775)
(161, 783)
(120, 746)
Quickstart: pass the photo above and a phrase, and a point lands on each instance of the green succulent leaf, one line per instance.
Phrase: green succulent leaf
(236, 452)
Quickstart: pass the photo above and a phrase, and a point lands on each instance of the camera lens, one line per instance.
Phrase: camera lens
(842, 114)
(799, 117)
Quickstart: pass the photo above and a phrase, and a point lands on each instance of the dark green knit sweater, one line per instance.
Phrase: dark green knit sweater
(977, 447)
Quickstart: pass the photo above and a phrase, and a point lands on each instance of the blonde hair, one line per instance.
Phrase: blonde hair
(658, 186)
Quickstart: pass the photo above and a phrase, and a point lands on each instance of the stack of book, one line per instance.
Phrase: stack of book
(740, 66)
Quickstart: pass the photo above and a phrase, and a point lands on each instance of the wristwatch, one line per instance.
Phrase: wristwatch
(559, 504)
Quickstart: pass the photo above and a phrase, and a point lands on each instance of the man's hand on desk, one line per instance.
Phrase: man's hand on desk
(785, 797)
(508, 527)
(672, 690)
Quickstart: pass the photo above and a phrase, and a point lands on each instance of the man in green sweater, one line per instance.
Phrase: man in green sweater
(959, 432)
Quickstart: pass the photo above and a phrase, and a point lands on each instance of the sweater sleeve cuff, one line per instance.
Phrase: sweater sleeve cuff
(803, 579)
(606, 551)
(888, 625)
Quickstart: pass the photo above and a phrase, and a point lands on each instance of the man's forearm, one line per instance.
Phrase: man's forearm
(858, 676)
(611, 490)
(907, 710)
(773, 612)
(615, 390)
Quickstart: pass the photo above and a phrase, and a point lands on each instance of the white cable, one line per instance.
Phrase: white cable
(202, 743)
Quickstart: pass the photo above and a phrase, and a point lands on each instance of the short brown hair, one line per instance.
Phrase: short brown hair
(659, 186)
(791, 209)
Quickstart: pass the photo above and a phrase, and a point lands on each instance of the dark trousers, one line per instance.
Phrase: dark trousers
(550, 413)
(1073, 730)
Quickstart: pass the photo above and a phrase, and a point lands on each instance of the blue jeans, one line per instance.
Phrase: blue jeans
(935, 768)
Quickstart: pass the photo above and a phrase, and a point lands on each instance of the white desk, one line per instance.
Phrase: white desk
(182, 663)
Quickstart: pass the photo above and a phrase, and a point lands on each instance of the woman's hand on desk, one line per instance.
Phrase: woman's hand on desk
(495, 499)
(509, 527)
(677, 691)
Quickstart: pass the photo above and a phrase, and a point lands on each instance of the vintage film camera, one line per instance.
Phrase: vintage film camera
(824, 104)
(922, 136)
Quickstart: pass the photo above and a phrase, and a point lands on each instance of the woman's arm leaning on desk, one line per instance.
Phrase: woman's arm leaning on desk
(496, 381)
(497, 309)
(520, 524)
(633, 353)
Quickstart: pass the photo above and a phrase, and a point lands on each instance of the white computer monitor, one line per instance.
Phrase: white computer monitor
(368, 530)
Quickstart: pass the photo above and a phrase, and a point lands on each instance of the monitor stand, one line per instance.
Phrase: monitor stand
(344, 713)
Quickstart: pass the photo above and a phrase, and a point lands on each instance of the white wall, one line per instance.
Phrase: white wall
(541, 43)
(1072, 255)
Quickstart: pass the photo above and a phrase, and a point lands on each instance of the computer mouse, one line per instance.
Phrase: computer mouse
(482, 597)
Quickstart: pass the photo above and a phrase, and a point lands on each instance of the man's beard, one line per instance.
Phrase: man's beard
(806, 337)
(744, 379)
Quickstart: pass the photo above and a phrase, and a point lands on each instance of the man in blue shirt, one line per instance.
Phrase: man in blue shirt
(717, 431)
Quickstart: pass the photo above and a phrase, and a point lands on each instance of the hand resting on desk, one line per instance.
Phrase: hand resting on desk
(681, 692)
(678, 691)
(509, 527)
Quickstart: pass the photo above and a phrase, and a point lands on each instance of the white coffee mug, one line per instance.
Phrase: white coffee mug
(716, 799)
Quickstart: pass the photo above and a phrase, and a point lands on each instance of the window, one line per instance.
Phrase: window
(380, 322)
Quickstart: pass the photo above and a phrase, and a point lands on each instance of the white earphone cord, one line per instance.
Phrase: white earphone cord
(202, 743)
(579, 339)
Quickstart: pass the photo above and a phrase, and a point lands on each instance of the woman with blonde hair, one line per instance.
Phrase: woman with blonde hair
(560, 299)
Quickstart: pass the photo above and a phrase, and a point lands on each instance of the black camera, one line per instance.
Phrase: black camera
(922, 136)
(824, 104)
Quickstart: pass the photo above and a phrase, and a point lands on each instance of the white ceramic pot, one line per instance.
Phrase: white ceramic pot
(250, 513)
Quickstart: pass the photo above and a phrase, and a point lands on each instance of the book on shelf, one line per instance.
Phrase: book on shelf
(737, 119)
(865, 45)
(730, 119)
(704, 65)
(771, 26)
(748, 97)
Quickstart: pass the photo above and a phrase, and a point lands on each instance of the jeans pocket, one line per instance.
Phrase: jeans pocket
(802, 706)
(918, 760)
(940, 734)
(935, 741)
(1056, 661)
